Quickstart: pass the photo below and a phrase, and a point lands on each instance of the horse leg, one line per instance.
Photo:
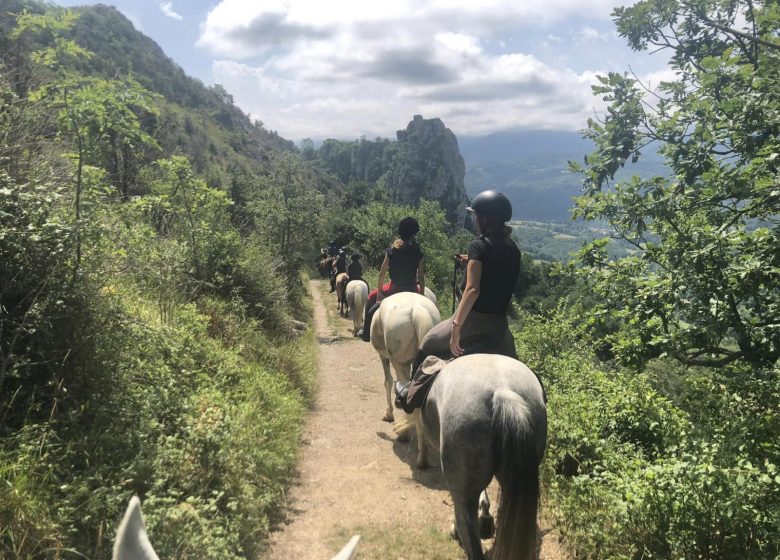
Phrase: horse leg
(402, 375)
(388, 417)
(422, 455)
(466, 460)
(487, 525)
(466, 525)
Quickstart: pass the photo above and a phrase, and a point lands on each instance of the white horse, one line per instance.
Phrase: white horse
(357, 297)
(399, 325)
(486, 414)
(132, 543)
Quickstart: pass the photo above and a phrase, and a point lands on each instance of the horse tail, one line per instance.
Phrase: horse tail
(360, 297)
(423, 322)
(517, 469)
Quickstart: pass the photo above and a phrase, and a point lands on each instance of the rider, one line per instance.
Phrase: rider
(480, 323)
(355, 269)
(405, 265)
(333, 249)
(339, 266)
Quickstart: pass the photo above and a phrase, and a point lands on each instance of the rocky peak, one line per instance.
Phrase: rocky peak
(428, 165)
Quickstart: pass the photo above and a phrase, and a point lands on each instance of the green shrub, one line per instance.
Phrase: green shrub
(631, 472)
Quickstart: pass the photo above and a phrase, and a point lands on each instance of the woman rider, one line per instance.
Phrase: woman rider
(480, 322)
(404, 263)
(355, 269)
(339, 267)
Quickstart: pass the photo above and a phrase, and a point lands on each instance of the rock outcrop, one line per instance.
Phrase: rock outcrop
(427, 164)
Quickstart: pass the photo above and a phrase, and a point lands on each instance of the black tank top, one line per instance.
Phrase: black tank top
(403, 264)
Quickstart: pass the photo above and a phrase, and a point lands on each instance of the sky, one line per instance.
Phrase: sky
(351, 68)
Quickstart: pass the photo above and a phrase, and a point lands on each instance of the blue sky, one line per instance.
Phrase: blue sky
(346, 68)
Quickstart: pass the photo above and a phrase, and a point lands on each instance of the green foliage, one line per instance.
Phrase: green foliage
(631, 472)
(146, 343)
(103, 118)
(704, 283)
(288, 213)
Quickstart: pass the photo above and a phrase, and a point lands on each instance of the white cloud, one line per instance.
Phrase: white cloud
(588, 34)
(167, 9)
(350, 67)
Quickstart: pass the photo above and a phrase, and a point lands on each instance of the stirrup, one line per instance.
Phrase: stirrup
(401, 392)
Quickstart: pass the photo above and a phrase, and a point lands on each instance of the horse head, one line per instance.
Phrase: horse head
(132, 543)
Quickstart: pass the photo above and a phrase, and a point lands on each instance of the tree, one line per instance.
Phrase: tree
(287, 213)
(703, 284)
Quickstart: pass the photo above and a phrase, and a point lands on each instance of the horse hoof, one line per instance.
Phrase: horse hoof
(487, 527)
(388, 418)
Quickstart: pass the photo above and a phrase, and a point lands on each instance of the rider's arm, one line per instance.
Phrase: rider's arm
(382, 272)
(471, 293)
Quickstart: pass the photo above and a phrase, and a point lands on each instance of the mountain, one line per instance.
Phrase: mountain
(423, 163)
(199, 121)
(531, 168)
(428, 165)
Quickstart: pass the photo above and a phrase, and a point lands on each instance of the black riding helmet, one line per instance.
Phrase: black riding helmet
(492, 204)
(408, 227)
(356, 256)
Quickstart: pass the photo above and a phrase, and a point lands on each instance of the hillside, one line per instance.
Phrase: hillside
(193, 119)
(532, 168)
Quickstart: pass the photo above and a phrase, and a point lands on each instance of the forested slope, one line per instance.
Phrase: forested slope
(151, 341)
(153, 322)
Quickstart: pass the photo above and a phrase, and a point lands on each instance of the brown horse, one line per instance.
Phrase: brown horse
(341, 297)
(325, 265)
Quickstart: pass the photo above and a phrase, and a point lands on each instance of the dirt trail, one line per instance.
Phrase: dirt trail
(354, 477)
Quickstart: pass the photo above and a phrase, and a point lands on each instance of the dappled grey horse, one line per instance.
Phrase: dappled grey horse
(132, 543)
(486, 415)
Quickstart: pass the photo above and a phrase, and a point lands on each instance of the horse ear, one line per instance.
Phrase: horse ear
(131, 540)
(349, 552)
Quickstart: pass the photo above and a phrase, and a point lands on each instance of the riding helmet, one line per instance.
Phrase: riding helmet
(492, 204)
(408, 227)
(355, 256)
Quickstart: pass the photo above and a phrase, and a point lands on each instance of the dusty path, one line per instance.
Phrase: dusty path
(354, 477)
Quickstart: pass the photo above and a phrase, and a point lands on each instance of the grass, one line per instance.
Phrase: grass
(422, 542)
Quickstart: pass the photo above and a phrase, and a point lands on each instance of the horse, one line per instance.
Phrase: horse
(132, 542)
(341, 297)
(325, 265)
(357, 296)
(399, 325)
(486, 415)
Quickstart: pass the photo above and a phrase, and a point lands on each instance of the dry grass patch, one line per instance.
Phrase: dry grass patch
(424, 542)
